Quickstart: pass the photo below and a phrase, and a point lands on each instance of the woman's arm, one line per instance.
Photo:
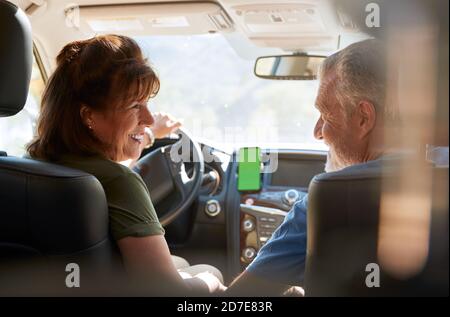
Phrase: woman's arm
(148, 262)
(248, 284)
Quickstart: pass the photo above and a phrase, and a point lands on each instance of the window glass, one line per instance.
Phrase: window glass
(16, 131)
(214, 90)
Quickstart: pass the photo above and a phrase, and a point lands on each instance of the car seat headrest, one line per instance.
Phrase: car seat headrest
(16, 58)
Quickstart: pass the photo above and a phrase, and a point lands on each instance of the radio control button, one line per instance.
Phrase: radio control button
(249, 254)
(248, 225)
(212, 208)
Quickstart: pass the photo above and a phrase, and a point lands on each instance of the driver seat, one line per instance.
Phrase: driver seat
(50, 215)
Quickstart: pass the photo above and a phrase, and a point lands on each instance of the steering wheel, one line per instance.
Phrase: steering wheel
(163, 171)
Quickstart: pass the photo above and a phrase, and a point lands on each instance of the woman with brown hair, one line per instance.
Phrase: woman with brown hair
(94, 115)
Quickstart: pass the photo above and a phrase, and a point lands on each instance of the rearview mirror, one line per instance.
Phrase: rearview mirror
(288, 67)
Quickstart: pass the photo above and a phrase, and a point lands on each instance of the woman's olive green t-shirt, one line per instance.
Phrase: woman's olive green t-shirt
(131, 212)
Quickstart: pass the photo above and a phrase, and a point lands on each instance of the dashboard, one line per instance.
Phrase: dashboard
(251, 217)
(262, 212)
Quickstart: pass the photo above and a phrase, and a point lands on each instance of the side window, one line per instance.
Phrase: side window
(18, 130)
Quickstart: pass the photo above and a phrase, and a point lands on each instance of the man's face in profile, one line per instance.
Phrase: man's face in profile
(334, 127)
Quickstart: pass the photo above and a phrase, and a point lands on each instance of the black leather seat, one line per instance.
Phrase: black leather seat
(343, 223)
(50, 215)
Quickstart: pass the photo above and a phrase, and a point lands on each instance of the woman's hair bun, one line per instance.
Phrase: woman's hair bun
(70, 52)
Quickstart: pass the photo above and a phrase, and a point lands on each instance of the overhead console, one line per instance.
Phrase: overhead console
(301, 25)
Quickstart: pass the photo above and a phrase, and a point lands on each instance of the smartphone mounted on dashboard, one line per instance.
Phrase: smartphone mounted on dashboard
(249, 169)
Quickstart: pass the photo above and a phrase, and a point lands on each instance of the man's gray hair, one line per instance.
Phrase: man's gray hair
(360, 71)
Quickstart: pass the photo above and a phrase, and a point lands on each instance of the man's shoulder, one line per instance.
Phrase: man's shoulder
(374, 168)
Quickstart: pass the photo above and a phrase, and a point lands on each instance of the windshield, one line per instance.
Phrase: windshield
(205, 83)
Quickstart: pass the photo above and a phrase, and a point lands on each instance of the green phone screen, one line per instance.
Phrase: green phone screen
(249, 169)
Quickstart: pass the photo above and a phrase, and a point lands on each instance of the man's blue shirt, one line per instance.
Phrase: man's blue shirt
(282, 258)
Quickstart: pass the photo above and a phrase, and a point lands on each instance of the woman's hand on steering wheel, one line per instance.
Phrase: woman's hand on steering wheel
(162, 170)
(164, 124)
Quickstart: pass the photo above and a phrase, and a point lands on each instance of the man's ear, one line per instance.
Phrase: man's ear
(367, 117)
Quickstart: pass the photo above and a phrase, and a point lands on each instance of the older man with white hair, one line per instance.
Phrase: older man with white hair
(353, 116)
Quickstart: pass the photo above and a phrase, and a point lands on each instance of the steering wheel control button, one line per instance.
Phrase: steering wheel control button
(248, 225)
(290, 196)
(249, 254)
(212, 208)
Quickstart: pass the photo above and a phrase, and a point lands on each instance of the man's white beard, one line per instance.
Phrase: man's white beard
(333, 164)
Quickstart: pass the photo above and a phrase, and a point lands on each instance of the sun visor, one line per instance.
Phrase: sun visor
(157, 19)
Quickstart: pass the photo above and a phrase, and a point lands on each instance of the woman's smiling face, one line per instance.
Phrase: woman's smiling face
(121, 129)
